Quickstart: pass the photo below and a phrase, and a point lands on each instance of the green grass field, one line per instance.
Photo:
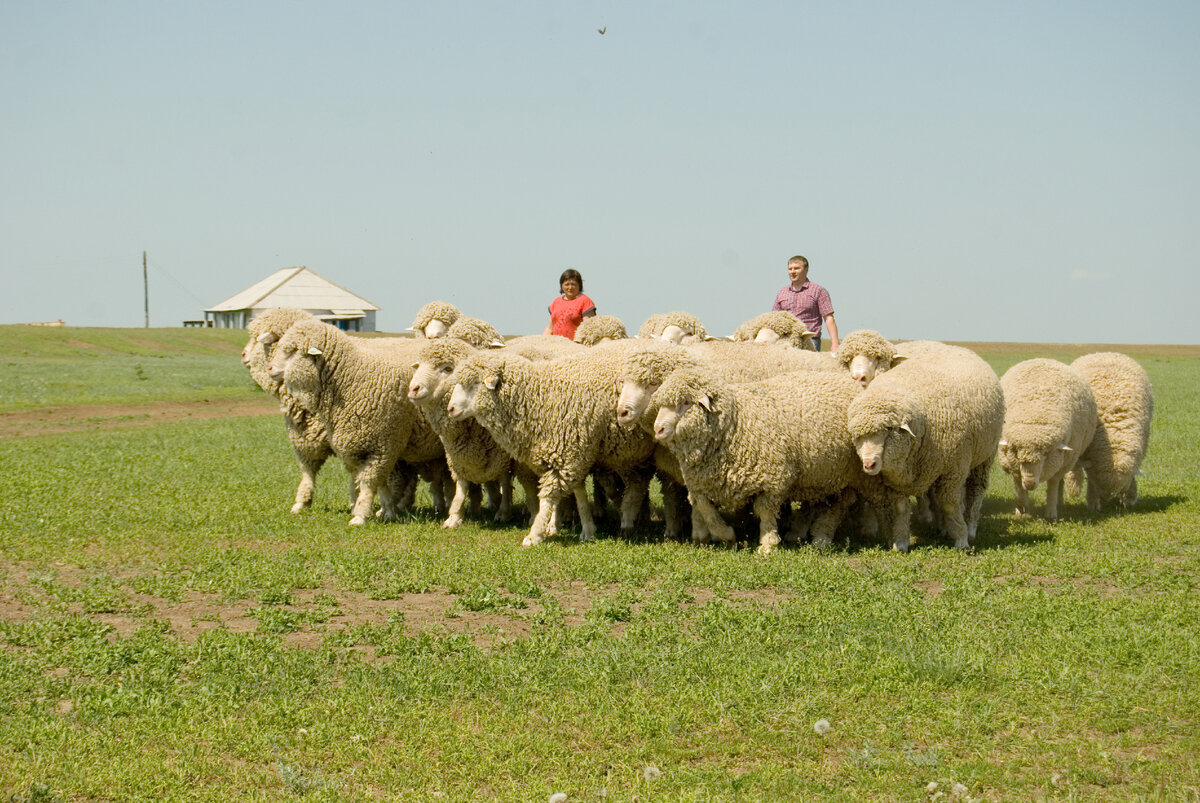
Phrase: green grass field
(168, 631)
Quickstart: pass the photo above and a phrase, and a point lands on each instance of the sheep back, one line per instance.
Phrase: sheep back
(1124, 406)
(1047, 406)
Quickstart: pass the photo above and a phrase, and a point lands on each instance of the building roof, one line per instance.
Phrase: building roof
(296, 287)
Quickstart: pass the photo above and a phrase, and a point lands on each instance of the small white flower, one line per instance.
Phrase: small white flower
(931, 787)
(302, 731)
(652, 773)
(959, 791)
(558, 797)
(821, 726)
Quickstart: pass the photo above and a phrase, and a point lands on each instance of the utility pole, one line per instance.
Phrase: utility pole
(146, 289)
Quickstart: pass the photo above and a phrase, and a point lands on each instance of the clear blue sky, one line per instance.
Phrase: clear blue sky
(957, 171)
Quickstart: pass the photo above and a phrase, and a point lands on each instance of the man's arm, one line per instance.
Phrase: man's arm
(831, 326)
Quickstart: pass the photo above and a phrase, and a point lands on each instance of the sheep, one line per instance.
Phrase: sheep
(543, 347)
(357, 393)
(471, 452)
(558, 418)
(1124, 405)
(932, 425)
(769, 442)
(434, 319)
(1049, 419)
(778, 326)
(306, 434)
(478, 333)
(677, 327)
(598, 329)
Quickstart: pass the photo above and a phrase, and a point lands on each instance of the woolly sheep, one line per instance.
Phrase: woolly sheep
(1049, 419)
(865, 353)
(600, 328)
(778, 326)
(557, 417)
(434, 319)
(305, 433)
(768, 442)
(358, 394)
(478, 333)
(677, 327)
(543, 347)
(932, 425)
(471, 452)
(1124, 406)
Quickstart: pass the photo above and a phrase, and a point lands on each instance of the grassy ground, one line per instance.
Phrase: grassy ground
(169, 632)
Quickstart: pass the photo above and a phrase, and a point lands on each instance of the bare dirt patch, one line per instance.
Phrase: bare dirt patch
(92, 417)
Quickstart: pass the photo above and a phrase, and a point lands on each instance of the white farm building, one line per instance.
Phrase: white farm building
(300, 288)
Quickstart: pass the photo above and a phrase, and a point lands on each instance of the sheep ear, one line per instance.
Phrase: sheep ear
(313, 351)
(267, 337)
(1066, 448)
(492, 381)
(898, 358)
(908, 429)
(496, 344)
(705, 401)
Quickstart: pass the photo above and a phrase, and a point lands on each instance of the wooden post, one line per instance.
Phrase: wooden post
(146, 289)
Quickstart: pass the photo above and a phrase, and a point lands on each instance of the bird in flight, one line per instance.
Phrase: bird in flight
(602, 30)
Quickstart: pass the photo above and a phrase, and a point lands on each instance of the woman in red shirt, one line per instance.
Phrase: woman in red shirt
(569, 309)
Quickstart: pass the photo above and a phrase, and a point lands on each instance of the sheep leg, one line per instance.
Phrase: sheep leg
(500, 497)
(636, 486)
(1130, 495)
(829, 517)
(901, 524)
(949, 500)
(587, 530)
(363, 504)
(475, 499)
(309, 466)
(461, 495)
(1021, 494)
(1054, 488)
(1094, 502)
(799, 525)
(973, 493)
(766, 507)
(713, 526)
(548, 497)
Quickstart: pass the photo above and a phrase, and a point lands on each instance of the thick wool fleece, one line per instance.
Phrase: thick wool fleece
(771, 441)
(952, 402)
(1124, 406)
(542, 347)
(791, 330)
(595, 328)
(1047, 405)
(478, 333)
(690, 324)
(442, 311)
(359, 394)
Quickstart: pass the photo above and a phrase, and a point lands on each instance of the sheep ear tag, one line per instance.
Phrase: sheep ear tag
(313, 351)
(705, 401)
(492, 381)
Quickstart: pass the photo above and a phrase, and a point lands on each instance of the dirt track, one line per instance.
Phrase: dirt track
(93, 417)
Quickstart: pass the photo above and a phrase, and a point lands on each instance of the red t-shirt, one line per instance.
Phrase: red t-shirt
(565, 316)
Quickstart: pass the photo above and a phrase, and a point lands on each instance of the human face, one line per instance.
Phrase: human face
(571, 289)
(797, 272)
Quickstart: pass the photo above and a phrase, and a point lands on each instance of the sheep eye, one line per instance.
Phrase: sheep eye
(446, 369)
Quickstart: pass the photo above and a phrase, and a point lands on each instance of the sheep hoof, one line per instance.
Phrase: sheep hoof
(822, 542)
(587, 534)
(298, 507)
(532, 540)
(963, 543)
(358, 521)
(452, 523)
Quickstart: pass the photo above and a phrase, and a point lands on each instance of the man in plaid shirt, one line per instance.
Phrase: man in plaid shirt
(808, 301)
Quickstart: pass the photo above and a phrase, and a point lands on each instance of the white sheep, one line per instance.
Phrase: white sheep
(435, 319)
(932, 425)
(543, 347)
(358, 392)
(478, 333)
(676, 327)
(765, 443)
(599, 329)
(1124, 406)
(471, 452)
(778, 326)
(305, 433)
(558, 418)
(1049, 419)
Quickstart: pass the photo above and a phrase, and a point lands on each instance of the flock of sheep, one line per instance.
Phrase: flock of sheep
(758, 424)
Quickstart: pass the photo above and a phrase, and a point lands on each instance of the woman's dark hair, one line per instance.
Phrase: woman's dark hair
(570, 273)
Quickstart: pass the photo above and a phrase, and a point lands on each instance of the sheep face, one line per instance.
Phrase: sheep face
(633, 401)
(885, 448)
(863, 368)
(672, 334)
(1031, 466)
(296, 368)
(766, 335)
(429, 379)
(435, 329)
(685, 414)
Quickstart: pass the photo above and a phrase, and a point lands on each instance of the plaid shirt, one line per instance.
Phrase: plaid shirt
(810, 304)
